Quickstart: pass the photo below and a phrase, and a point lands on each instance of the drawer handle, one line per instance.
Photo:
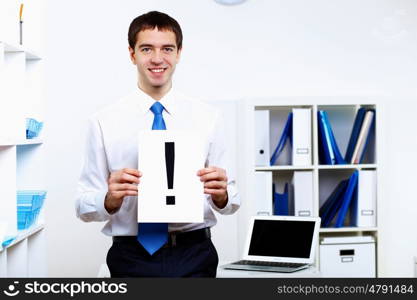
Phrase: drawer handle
(263, 213)
(348, 252)
(304, 213)
(347, 259)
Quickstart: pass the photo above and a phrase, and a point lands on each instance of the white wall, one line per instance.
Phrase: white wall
(260, 48)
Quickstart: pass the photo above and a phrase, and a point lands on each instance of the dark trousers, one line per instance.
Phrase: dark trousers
(130, 259)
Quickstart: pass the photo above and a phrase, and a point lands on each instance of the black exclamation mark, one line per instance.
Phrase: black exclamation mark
(169, 163)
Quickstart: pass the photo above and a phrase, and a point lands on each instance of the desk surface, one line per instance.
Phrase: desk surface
(224, 273)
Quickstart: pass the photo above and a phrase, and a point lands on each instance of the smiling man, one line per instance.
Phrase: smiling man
(155, 54)
(109, 185)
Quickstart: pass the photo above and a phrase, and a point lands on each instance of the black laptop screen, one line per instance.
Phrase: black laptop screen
(282, 238)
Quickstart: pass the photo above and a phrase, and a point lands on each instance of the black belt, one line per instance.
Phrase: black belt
(174, 238)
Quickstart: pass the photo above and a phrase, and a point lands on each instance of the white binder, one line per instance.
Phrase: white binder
(362, 138)
(303, 193)
(301, 128)
(262, 154)
(366, 210)
(263, 194)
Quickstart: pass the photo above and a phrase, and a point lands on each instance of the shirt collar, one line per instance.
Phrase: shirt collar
(145, 101)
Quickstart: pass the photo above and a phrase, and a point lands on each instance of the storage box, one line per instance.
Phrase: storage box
(33, 128)
(347, 256)
(29, 204)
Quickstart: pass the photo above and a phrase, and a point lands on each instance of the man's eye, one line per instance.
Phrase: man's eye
(145, 50)
(168, 49)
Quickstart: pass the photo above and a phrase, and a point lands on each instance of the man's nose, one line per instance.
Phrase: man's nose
(157, 57)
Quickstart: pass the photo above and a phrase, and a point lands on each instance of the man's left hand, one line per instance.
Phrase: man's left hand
(215, 184)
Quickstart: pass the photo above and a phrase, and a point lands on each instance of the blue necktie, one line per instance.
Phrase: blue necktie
(153, 236)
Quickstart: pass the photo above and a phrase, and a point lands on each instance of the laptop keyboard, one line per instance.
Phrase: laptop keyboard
(267, 263)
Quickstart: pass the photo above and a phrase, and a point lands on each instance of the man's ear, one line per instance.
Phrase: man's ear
(179, 55)
(132, 55)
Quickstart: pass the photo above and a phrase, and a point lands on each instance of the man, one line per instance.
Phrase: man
(110, 182)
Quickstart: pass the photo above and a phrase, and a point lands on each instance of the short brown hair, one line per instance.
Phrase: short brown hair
(151, 20)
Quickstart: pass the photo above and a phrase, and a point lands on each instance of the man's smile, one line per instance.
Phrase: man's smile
(157, 70)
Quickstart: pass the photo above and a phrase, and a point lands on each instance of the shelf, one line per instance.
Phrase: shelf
(22, 143)
(320, 167)
(359, 166)
(30, 142)
(25, 234)
(348, 229)
(12, 48)
(279, 168)
(281, 107)
(30, 54)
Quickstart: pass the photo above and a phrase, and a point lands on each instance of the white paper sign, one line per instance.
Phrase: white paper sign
(163, 153)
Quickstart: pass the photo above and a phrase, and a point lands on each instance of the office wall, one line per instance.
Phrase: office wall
(260, 48)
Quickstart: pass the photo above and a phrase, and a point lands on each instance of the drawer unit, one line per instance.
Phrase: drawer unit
(347, 256)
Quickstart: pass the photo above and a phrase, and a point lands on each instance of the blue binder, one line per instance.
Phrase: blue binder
(360, 115)
(286, 134)
(281, 202)
(333, 203)
(331, 154)
(339, 160)
(350, 196)
(326, 154)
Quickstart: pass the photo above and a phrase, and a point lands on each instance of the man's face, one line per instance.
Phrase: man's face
(155, 56)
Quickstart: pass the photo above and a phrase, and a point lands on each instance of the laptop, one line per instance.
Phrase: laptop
(279, 244)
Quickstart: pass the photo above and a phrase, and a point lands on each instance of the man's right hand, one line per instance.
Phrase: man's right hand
(121, 183)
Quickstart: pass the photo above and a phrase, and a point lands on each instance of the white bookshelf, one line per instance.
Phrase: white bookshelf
(21, 159)
(339, 167)
(22, 142)
(286, 167)
(310, 168)
(349, 229)
(325, 177)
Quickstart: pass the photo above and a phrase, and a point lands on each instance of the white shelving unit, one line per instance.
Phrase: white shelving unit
(21, 159)
(325, 177)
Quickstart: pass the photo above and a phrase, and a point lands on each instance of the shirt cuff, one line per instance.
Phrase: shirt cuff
(101, 210)
(230, 206)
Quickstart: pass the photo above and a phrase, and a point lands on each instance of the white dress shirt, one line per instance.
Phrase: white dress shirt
(112, 144)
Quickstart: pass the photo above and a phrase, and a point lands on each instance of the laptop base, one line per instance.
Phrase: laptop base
(246, 267)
